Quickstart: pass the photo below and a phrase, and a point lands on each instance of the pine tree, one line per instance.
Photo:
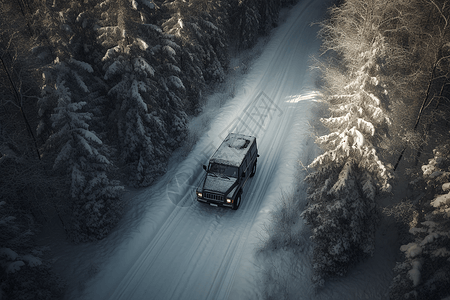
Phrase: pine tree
(136, 125)
(143, 102)
(269, 11)
(77, 152)
(247, 21)
(199, 28)
(348, 176)
(425, 271)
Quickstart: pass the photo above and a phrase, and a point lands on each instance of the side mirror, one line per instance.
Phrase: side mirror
(243, 174)
(204, 167)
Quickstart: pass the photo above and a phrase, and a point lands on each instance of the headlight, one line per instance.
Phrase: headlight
(229, 200)
(199, 194)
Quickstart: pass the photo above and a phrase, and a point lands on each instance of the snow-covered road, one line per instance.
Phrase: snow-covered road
(181, 249)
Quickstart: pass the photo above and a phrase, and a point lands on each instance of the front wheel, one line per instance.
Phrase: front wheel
(237, 203)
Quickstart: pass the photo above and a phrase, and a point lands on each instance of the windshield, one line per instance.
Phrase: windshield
(224, 170)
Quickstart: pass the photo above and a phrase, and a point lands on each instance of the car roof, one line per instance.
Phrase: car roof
(233, 149)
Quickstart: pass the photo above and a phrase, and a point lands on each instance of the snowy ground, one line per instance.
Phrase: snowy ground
(168, 246)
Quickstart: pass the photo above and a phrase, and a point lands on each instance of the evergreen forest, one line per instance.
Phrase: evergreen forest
(96, 95)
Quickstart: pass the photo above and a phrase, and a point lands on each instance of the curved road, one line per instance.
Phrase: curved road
(182, 249)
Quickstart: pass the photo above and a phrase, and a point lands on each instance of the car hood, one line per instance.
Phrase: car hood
(218, 184)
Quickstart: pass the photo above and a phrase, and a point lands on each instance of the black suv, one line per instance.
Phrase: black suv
(233, 163)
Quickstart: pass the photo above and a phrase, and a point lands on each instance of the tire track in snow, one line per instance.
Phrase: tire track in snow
(159, 244)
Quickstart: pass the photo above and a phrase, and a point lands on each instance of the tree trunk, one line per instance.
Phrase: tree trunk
(427, 129)
(426, 97)
(17, 96)
(420, 111)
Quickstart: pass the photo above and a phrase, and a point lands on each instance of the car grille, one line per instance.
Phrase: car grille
(214, 197)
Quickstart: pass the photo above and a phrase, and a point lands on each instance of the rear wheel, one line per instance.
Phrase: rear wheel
(237, 203)
(253, 170)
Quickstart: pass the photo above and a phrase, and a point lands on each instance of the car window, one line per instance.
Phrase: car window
(228, 171)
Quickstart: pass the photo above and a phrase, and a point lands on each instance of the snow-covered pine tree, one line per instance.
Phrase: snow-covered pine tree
(425, 271)
(347, 177)
(269, 11)
(246, 21)
(349, 174)
(76, 152)
(65, 30)
(148, 114)
(199, 28)
(140, 146)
